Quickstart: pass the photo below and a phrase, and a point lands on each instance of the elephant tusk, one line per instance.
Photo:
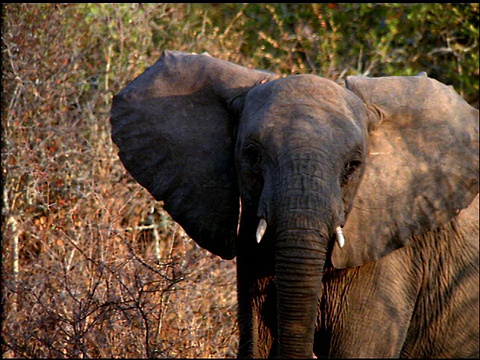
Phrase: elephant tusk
(262, 227)
(340, 237)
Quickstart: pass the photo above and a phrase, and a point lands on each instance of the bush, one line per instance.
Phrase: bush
(92, 266)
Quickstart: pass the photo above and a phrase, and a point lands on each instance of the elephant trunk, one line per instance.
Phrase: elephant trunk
(300, 258)
(308, 212)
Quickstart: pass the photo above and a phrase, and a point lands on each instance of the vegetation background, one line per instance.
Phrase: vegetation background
(91, 265)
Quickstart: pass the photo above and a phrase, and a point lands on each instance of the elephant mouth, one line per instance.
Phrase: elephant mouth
(262, 228)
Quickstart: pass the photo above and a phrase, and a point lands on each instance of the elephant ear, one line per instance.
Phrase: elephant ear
(175, 133)
(422, 166)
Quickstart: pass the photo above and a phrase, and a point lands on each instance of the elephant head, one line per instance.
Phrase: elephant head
(384, 159)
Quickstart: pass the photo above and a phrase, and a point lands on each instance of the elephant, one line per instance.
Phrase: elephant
(351, 209)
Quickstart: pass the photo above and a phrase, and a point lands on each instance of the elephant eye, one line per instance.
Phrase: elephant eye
(349, 170)
(252, 154)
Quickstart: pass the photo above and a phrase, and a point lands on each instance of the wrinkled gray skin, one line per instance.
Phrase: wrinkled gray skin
(392, 160)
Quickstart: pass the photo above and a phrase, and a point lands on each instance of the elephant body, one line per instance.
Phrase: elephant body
(426, 290)
(352, 210)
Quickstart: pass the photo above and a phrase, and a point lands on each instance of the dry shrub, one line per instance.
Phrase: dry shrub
(92, 266)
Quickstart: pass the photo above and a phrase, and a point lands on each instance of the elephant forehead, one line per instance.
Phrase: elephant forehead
(296, 88)
(302, 105)
(301, 97)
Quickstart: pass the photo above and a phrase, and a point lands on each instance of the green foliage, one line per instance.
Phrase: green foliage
(328, 39)
(79, 233)
(331, 40)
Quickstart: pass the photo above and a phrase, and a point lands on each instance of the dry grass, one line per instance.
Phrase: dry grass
(91, 265)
